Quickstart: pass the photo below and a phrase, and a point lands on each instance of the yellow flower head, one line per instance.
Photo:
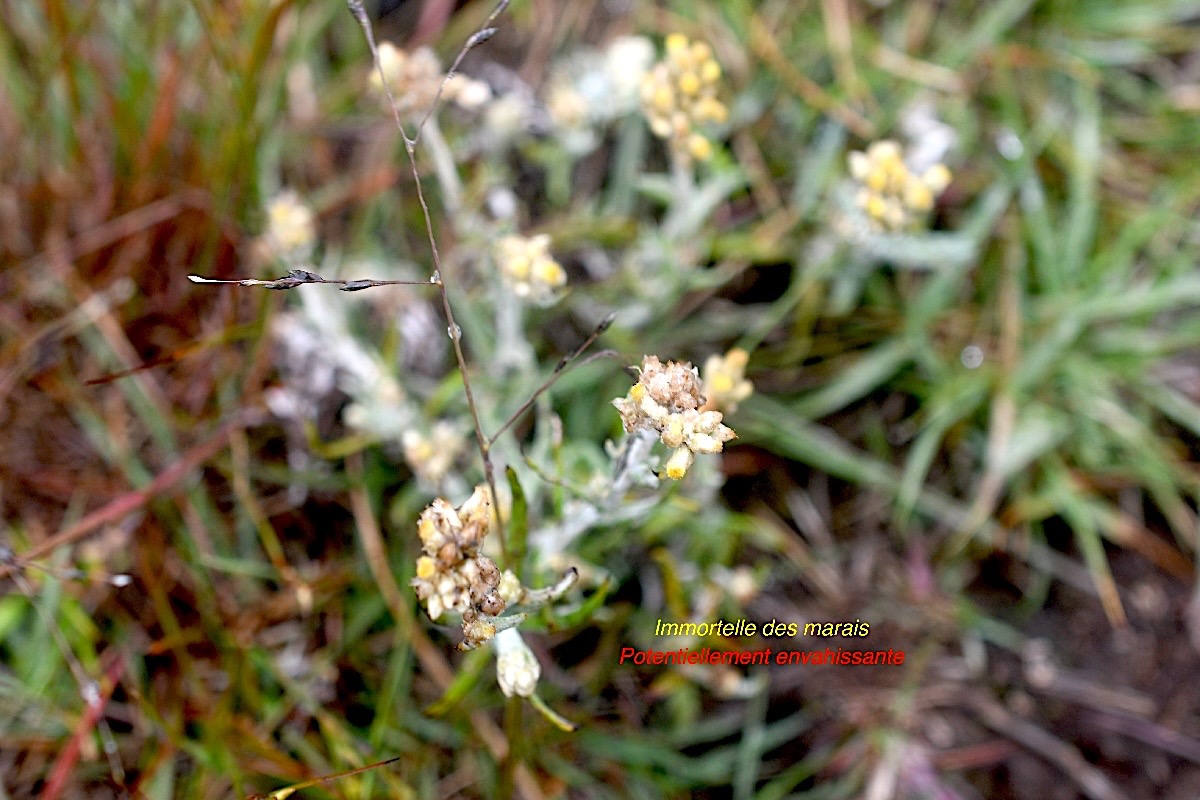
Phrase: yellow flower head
(892, 196)
(290, 233)
(431, 455)
(668, 399)
(528, 268)
(680, 93)
(725, 382)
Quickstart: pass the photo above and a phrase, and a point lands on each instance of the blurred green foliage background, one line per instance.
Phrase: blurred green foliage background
(979, 437)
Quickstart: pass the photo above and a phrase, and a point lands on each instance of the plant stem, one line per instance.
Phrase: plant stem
(438, 278)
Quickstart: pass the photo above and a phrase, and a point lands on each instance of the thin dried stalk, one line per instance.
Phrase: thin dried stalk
(299, 277)
(438, 279)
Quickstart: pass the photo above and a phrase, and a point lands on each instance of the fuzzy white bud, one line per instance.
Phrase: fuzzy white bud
(517, 669)
(510, 588)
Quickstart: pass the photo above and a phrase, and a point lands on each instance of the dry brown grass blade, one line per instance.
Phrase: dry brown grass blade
(836, 14)
(1090, 780)
(176, 355)
(22, 357)
(288, 791)
(128, 503)
(1128, 532)
(147, 216)
(767, 49)
(821, 577)
(1149, 732)
(924, 73)
(1004, 407)
(64, 765)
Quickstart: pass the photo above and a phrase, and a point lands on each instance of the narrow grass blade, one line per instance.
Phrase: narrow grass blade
(518, 531)
(875, 368)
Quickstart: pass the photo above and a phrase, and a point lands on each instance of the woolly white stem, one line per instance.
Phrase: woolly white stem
(444, 166)
(513, 351)
(634, 453)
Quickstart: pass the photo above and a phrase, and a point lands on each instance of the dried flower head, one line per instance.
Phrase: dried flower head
(452, 573)
(725, 381)
(680, 93)
(893, 197)
(517, 669)
(290, 233)
(667, 399)
(661, 390)
(529, 269)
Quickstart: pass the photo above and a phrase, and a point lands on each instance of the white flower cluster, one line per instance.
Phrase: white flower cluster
(590, 89)
(291, 233)
(725, 380)
(415, 77)
(467, 93)
(430, 456)
(667, 398)
(528, 268)
(319, 354)
(893, 196)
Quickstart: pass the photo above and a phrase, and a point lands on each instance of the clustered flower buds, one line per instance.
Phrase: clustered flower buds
(517, 669)
(467, 93)
(892, 196)
(680, 92)
(567, 106)
(588, 89)
(430, 456)
(452, 573)
(725, 381)
(290, 233)
(415, 77)
(667, 399)
(528, 268)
